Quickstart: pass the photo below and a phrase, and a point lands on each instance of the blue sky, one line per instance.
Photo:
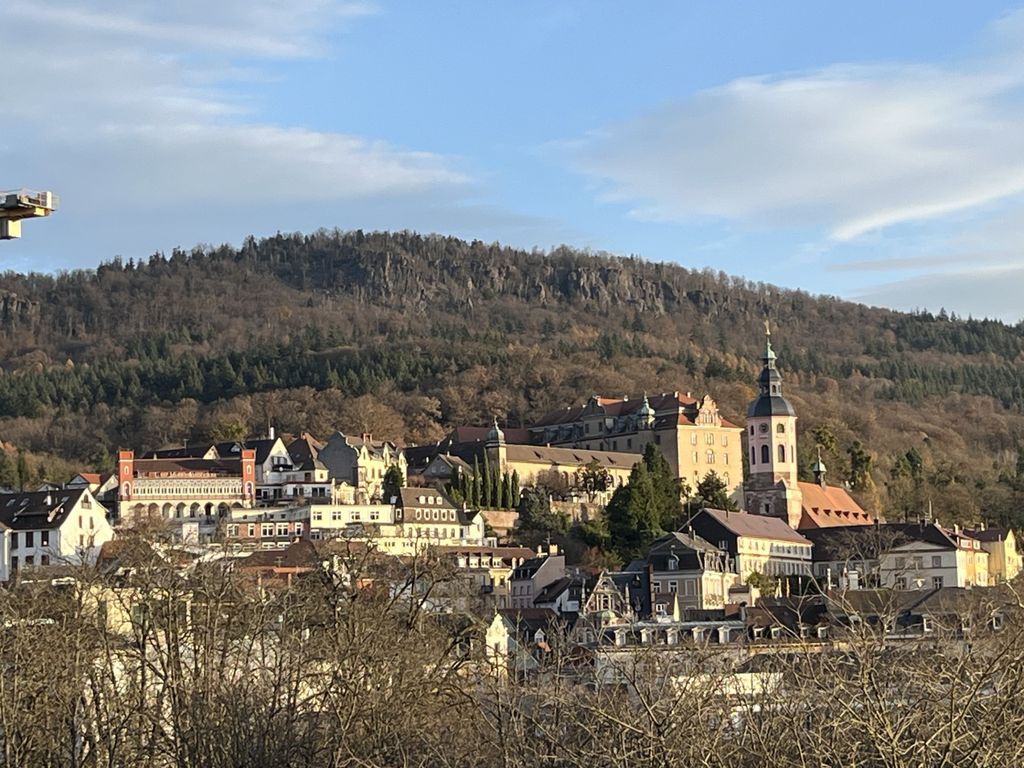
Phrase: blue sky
(869, 150)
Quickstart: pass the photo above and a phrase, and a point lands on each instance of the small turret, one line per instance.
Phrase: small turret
(819, 470)
(495, 436)
(645, 416)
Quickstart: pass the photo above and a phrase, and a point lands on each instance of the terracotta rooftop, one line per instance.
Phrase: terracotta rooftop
(829, 506)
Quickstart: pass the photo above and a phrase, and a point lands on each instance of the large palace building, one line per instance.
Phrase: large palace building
(691, 433)
(185, 492)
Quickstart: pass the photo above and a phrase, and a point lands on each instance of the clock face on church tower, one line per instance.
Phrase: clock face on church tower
(763, 428)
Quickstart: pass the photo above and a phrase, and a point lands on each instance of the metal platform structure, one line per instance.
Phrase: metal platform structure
(20, 204)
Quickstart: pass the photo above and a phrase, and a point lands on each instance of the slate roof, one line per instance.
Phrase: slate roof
(868, 542)
(263, 447)
(190, 467)
(304, 451)
(197, 451)
(302, 554)
(563, 456)
(38, 510)
(551, 591)
(989, 534)
(753, 526)
(433, 499)
(612, 407)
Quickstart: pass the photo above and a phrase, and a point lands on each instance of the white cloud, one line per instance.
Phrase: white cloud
(135, 105)
(846, 149)
(992, 292)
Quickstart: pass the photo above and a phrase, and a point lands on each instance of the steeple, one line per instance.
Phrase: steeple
(495, 436)
(818, 468)
(770, 401)
(646, 414)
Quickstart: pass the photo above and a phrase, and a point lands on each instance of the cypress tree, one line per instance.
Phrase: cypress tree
(513, 495)
(506, 491)
(485, 484)
(475, 483)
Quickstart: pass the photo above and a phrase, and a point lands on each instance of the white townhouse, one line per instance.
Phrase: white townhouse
(45, 528)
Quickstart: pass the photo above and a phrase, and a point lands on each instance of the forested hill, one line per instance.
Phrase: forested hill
(404, 335)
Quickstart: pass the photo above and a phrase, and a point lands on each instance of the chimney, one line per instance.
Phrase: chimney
(270, 432)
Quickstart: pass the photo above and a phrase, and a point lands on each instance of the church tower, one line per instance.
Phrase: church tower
(771, 439)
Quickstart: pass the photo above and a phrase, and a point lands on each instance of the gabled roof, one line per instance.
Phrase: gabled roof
(262, 446)
(753, 526)
(683, 547)
(829, 505)
(860, 542)
(552, 591)
(304, 451)
(988, 534)
(432, 498)
(570, 456)
(530, 619)
(300, 555)
(38, 510)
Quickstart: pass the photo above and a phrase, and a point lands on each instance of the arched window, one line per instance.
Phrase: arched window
(782, 453)
(751, 429)
(780, 428)
(753, 455)
(766, 456)
(725, 478)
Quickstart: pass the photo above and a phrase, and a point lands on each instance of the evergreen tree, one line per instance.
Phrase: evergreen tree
(633, 514)
(713, 492)
(486, 499)
(22, 470)
(535, 513)
(506, 491)
(392, 483)
(8, 471)
(669, 508)
(860, 466)
(513, 495)
(475, 484)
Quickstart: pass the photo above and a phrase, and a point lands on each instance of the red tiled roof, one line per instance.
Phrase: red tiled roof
(830, 506)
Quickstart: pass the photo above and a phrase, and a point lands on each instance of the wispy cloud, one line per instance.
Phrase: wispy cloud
(983, 293)
(138, 104)
(847, 149)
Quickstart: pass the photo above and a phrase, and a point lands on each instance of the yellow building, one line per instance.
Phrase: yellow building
(690, 432)
(1003, 558)
(531, 462)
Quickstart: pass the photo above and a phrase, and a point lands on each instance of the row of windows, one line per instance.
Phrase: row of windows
(29, 561)
(779, 428)
(937, 582)
(355, 515)
(225, 488)
(439, 514)
(267, 530)
(709, 457)
(29, 539)
(918, 562)
(709, 439)
(766, 454)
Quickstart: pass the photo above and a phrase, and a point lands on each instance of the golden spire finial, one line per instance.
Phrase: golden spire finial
(767, 329)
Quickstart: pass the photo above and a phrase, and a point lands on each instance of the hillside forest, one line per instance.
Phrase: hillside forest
(405, 336)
